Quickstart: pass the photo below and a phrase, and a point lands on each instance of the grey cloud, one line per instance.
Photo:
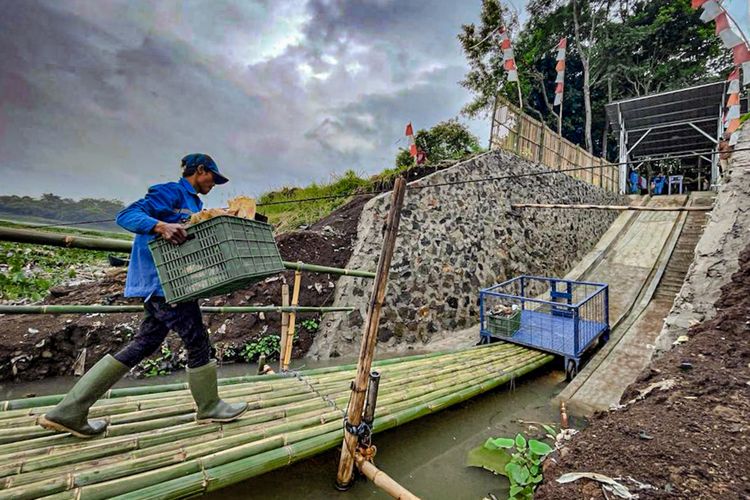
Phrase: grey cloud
(104, 101)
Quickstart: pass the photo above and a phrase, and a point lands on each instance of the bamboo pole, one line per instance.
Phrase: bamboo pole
(370, 333)
(289, 341)
(383, 480)
(99, 309)
(284, 325)
(114, 245)
(613, 207)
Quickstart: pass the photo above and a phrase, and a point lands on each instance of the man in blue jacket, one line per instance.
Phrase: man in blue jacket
(161, 213)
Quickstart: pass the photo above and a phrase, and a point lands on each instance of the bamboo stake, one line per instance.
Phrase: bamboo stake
(383, 480)
(289, 341)
(613, 207)
(370, 333)
(284, 325)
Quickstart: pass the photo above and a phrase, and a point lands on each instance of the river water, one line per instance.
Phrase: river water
(426, 456)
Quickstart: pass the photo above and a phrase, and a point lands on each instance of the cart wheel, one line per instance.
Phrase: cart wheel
(603, 339)
(571, 369)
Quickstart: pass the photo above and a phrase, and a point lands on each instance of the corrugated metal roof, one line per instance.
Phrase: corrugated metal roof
(668, 115)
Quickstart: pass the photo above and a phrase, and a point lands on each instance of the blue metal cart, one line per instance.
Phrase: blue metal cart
(559, 316)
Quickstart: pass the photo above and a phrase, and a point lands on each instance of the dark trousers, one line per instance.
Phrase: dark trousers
(184, 318)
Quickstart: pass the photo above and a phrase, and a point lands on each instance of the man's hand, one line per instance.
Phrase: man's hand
(173, 233)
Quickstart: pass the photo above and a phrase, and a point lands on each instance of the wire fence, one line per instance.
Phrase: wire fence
(514, 131)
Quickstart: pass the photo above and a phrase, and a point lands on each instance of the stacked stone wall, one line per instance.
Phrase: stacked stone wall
(455, 239)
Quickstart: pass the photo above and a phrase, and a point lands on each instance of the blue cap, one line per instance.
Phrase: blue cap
(196, 159)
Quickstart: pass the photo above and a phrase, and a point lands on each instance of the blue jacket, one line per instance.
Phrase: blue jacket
(171, 202)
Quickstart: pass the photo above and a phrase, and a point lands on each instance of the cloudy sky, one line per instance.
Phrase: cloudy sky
(101, 98)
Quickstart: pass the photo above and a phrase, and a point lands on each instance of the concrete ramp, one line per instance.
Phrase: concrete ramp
(645, 268)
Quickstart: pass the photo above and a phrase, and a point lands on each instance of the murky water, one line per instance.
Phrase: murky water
(427, 455)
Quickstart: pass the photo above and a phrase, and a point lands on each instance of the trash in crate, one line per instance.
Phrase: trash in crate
(504, 320)
(239, 206)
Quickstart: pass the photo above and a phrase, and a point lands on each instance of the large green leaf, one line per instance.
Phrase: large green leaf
(495, 443)
(539, 447)
(520, 442)
(515, 490)
(517, 473)
(493, 460)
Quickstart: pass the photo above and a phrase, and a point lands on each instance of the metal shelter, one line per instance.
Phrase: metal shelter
(664, 125)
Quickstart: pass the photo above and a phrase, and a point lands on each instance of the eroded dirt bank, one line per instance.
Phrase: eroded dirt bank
(39, 346)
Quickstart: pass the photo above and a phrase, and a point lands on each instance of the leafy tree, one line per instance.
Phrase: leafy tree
(625, 48)
(448, 140)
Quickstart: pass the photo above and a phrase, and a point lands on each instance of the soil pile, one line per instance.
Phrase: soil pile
(38, 346)
(689, 436)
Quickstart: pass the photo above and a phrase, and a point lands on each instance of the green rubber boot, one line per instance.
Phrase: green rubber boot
(71, 414)
(209, 408)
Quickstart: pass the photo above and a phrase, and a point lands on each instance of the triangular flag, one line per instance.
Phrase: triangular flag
(512, 75)
(509, 65)
(560, 54)
(507, 54)
(733, 100)
(711, 9)
(505, 44)
(733, 125)
(560, 77)
(560, 66)
(413, 149)
(734, 87)
(409, 130)
(734, 138)
(563, 43)
(733, 113)
(558, 100)
(559, 88)
(730, 38)
(740, 54)
(722, 22)
(697, 3)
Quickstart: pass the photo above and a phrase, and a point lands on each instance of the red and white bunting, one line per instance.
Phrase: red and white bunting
(732, 116)
(725, 31)
(416, 153)
(509, 61)
(711, 9)
(560, 67)
(741, 57)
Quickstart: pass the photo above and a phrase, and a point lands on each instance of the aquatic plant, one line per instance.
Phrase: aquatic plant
(524, 469)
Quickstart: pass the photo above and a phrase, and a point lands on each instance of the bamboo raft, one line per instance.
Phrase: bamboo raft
(154, 449)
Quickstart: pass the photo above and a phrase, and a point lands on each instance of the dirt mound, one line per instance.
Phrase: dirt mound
(689, 440)
(38, 346)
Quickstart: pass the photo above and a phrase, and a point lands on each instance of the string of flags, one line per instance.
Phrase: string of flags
(509, 61)
(416, 153)
(560, 68)
(732, 116)
(713, 11)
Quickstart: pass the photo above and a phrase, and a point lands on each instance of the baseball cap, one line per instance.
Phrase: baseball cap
(196, 159)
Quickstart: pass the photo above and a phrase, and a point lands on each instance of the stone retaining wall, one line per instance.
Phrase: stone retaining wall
(455, 239)
(717, 253)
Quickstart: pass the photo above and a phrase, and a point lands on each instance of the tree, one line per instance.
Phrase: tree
(486, 76)
(624, 48)
(448, 140)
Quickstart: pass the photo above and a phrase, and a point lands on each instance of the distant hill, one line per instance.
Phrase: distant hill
(50, 208)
